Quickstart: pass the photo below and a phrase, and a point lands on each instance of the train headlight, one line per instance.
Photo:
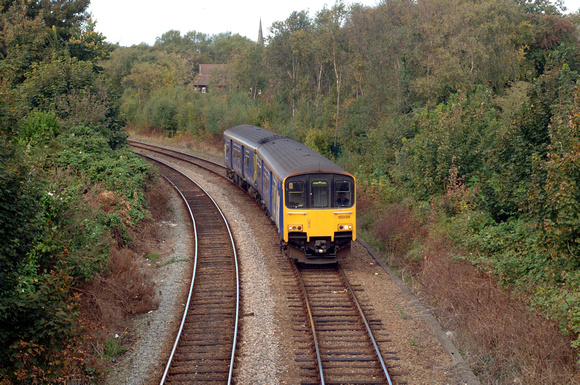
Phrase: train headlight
(345, 227)
(295, 227)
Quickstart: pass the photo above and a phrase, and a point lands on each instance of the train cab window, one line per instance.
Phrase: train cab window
(319, 193)
(295, 194)
(343, 193)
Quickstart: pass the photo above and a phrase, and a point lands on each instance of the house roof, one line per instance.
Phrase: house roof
(205, 75)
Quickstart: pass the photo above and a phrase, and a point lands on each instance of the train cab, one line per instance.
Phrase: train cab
(320, 216)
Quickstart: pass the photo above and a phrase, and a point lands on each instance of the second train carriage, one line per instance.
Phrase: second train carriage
(310, 199)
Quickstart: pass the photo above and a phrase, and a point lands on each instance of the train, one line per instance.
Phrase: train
(310, 199)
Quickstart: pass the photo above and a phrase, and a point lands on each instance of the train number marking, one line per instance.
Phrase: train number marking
(344, 217)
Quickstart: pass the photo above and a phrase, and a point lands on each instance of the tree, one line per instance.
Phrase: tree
(87, 44)
(55, 78)
(463, 44)
(225, 46)
(332, 47)
(456, 133)
(65, 17)
(249, 70)
(31, 31)
(547, 32)
(22, 41)
(289, 50)
(384, 52)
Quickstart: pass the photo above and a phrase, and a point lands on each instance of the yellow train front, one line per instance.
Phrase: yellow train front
(310, 199)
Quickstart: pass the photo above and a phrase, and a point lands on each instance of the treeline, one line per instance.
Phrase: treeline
(71, 191)
(467, 109)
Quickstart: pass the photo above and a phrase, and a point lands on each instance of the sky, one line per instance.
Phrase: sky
(130, 22)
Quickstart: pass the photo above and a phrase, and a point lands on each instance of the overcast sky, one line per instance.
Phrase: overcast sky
(130, 22)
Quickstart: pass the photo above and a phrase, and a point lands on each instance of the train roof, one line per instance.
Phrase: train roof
(251, 136)
(284, 155)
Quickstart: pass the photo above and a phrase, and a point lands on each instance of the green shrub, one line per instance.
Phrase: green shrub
(119, 171)
(114, 347)
(21, 214)
(163, 112)
(38, 127)
(36, 327)
(55, 78)
(458, 132)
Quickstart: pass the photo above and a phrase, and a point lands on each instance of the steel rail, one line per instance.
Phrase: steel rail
(161, 149)
(230, 374)
(316, 348)
(370, 333)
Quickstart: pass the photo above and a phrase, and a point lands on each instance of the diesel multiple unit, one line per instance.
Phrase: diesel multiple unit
(309, 198)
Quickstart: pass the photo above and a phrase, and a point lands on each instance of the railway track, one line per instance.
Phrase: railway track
(339, 343)
(204, 350)
(206, 164)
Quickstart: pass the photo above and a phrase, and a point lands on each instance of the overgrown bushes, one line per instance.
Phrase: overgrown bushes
(62, 221)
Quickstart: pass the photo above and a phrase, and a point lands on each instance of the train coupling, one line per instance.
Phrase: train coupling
(320, 247)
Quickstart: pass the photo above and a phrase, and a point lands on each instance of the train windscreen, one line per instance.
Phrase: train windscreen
(343, 192)
(318, 191)
(295, 194)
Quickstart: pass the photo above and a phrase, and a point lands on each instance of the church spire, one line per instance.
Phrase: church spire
(260, 36)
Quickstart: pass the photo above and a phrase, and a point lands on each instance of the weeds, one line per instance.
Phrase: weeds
(152, 256)
(403, 315)
(172, 260)
(113, 347)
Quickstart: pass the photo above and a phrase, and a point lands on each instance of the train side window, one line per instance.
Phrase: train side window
(259, 173)
(247, 159)
(319, 193)
(343, 196)
(295, 194)
(237, 152)
(266, 184)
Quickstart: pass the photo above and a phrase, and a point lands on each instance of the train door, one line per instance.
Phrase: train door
(275, 201)
(267, 196)
(259, 175)
(242, 167)
(248, 166)
(227, 153)
(237, 158)
(279, 211)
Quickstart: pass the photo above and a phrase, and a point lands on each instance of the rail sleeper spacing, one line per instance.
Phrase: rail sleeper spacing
(310, 199)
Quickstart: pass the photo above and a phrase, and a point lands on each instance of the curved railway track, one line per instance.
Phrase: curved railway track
(204, 350)
(206, 164)
(343, 348)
